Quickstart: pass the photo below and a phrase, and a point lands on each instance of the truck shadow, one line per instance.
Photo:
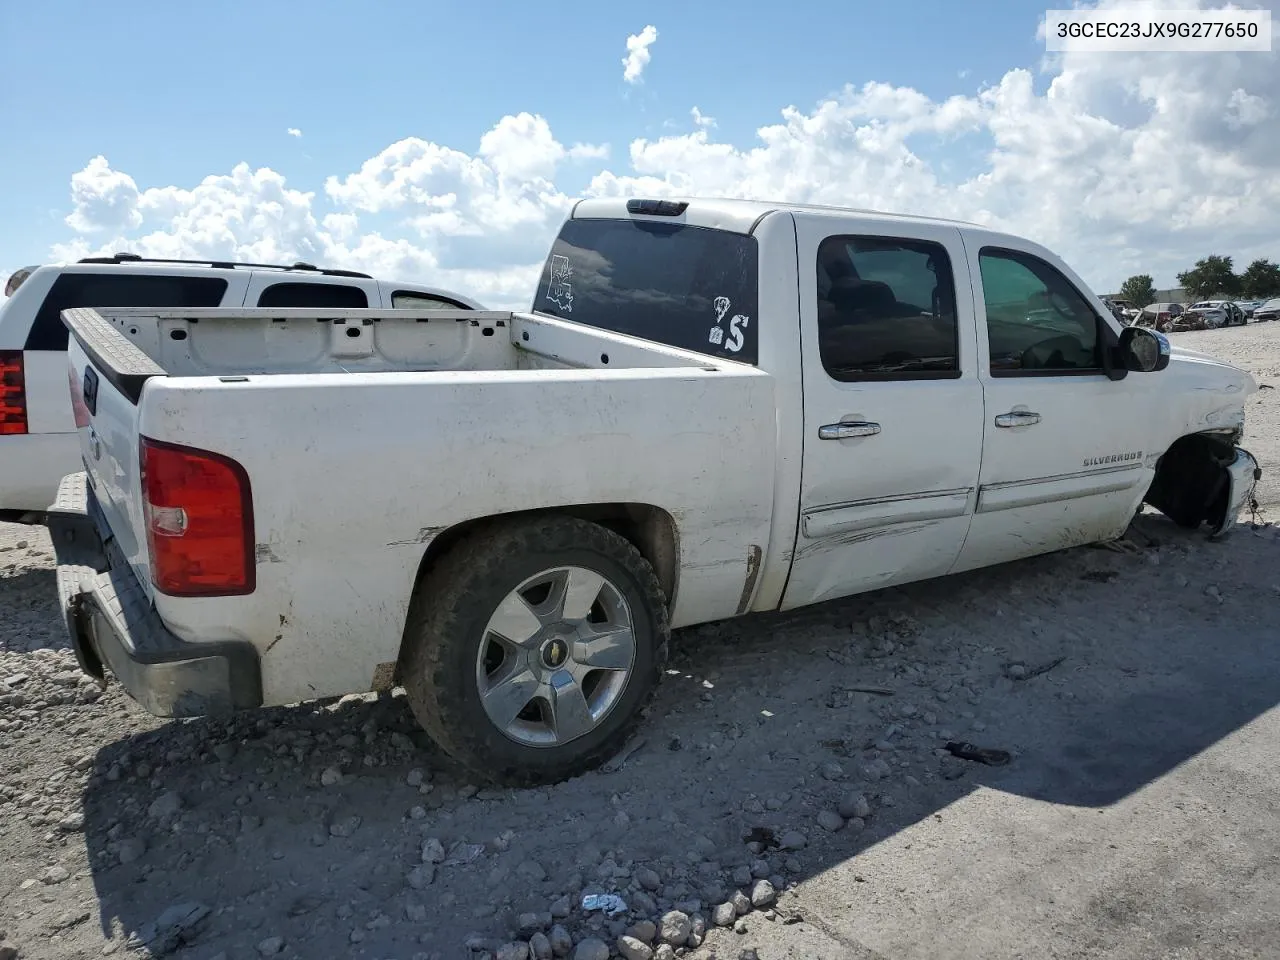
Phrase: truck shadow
(30, 595)
(1148, 659)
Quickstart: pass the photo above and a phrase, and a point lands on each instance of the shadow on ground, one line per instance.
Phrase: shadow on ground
(759, 727)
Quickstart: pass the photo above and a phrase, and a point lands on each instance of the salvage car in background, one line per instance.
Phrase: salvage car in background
(1270, 310)
(1211, 315)
(1119, 312)
(1127, 311)
(1158, 315)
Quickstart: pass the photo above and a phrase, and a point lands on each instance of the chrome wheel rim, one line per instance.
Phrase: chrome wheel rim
(556, 656)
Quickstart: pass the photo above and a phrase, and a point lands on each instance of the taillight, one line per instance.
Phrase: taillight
(199, 515)
(13, 394)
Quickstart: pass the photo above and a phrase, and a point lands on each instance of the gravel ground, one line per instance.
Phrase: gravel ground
(790, 796)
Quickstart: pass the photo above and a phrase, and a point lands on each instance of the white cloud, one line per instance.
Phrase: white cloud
(1123, 164)
(638, 54)
(294, 132)
(103, 199)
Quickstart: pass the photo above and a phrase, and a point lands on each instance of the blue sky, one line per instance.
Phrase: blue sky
(172, 93)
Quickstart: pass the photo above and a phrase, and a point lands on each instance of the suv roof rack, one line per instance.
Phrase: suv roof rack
(228, 264)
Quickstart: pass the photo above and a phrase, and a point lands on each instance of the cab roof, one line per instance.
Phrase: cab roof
(735, 216)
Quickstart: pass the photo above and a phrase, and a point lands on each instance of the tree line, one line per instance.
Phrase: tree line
(1213, 276)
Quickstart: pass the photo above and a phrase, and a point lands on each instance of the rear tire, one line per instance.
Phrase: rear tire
(535, 612)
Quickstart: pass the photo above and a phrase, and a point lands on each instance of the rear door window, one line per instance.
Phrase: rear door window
(410, 300)
(886, 309)
(315, 295)
(688, 287)
(116, 290)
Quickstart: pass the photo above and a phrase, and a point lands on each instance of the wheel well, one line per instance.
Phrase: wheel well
(651, 530)
(1190, 483)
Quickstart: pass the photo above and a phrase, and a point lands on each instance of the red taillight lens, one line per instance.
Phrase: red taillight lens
(199, 516)
(13, 394)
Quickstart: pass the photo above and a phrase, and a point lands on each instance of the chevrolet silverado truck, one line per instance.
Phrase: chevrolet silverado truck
(712, 408)
(38, 442)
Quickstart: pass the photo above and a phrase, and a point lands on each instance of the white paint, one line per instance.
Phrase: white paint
(32, 465)
(928, 446)
(365, 459)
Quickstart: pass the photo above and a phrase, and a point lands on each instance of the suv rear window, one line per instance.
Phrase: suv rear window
(315, 296)
(116, 290)
(688, 287)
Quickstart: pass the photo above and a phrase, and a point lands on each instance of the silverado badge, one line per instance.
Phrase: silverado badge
(1113, 458)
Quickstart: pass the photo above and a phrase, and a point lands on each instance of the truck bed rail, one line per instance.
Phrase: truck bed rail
(117, 358)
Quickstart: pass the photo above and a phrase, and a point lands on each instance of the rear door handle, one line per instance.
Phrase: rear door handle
(1017, 418)
(847, 431)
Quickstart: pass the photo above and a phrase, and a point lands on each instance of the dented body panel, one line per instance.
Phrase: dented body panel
(370, 437)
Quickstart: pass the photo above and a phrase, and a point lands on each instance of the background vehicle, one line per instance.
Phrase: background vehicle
(1188, 321)
(713, 408)
(1213, 313)
(1131, 309)
(38, 444)
(1247, 307)
(1270, 310)
(1120, 312)
(1158, 316)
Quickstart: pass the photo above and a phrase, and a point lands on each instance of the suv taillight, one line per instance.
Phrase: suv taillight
(13, 394)
(198, 509)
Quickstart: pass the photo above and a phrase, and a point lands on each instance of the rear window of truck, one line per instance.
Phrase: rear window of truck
(688, 287)
(116, 290)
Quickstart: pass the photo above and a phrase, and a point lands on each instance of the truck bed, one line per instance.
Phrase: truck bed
(358, 463)
(137, 344)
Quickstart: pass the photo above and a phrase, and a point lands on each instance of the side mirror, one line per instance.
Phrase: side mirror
(1143, 350)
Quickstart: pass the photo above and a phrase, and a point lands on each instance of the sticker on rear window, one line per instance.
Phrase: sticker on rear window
(559, 289)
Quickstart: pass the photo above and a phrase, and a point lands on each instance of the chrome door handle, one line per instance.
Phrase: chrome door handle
(846, 431)
(1017, 418)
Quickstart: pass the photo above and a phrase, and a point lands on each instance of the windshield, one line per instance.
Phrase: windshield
(688, 287)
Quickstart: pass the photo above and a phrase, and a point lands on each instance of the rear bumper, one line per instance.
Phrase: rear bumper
(112, 624)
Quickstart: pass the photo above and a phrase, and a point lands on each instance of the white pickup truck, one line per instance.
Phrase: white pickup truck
(712, 408)
(38, 442)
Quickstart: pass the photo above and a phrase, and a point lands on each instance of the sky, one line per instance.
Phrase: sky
(444, 142)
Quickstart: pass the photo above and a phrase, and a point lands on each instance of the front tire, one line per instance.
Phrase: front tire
(532, 646)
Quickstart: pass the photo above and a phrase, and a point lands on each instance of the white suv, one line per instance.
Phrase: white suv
(38, 444)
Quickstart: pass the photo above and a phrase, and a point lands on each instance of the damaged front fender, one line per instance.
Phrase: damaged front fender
(1243, 474)
(1204, 479)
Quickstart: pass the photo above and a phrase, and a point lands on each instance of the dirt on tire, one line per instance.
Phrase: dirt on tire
(455, 599)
